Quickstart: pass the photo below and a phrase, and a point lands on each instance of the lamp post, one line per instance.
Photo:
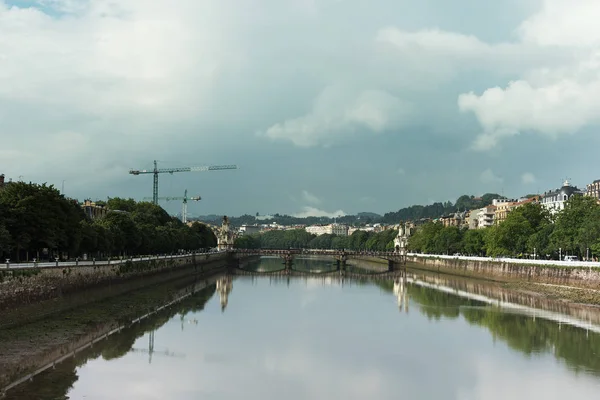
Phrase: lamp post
(534, 253)
(559, 254)
(587, 254)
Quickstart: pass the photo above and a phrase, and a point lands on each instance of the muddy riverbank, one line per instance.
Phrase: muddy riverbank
(28, 343)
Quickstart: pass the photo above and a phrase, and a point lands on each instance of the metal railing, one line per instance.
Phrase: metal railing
(574, 264)
(101, 262)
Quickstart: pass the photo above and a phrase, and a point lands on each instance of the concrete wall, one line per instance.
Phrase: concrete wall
(27, 285)
(501, 270)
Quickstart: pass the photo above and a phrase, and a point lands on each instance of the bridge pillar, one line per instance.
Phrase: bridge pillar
(391, 265)
(288, 260)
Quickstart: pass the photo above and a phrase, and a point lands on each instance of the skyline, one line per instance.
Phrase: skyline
(326, 106)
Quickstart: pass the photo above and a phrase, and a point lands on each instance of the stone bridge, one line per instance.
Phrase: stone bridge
(395, 259)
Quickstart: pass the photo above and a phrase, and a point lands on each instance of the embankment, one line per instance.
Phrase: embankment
(23, 286)
(509, 271)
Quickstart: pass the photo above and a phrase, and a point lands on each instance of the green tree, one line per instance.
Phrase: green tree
(473, 242)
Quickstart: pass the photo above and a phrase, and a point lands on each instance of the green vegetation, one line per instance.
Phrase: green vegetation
(527, 228)
(412, 213)
(299, 238)
(37, 221)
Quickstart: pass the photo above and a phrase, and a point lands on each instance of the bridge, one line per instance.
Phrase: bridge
(395, 259)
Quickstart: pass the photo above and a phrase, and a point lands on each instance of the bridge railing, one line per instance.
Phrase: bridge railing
(316, 251)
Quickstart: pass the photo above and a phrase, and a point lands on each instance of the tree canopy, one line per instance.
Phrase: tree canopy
(37, 221)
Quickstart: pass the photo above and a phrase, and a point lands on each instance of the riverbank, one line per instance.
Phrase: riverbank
(22, 286)
(578, 285)
(29, 343)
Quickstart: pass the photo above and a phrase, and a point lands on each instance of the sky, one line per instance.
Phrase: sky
(328, 107)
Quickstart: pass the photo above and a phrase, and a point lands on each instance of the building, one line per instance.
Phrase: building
(331, 229)
(472, 221)
(554, 200)
(249, 229)
(485, 216)
(593, 189)
(504, 208)
(92, 210)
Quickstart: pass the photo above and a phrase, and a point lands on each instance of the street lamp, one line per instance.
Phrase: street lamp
(534, 253)
(587, 254)
(559, 254)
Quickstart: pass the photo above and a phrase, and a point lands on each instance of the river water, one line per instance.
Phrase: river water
(422, 337)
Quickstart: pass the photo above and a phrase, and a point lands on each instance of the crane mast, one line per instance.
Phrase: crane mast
(157, 171)
(184, 206)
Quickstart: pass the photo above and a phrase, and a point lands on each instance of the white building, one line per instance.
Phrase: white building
(554, 200)
(485, 217)
(331, 229)
(249, 229)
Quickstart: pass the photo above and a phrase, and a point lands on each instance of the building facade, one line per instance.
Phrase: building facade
(331, 229)
(554, 200)
(249, 229)
(593, 189)
(92, 210)
(485, 217)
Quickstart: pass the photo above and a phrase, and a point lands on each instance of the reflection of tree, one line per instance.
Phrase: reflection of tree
(56, 383)
(577, 347)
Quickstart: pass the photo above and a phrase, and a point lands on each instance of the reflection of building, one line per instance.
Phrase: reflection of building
(224, 287)
(401, 294)
(554, 200)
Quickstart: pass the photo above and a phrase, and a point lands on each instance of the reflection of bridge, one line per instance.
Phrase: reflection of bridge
(394, 259)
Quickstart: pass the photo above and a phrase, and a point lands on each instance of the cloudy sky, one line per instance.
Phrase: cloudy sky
(327, 106)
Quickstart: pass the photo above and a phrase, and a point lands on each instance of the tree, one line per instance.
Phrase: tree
(5, 241)
(577, 227)
(473, 243)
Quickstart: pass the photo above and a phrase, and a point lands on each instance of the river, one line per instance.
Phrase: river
(421, 337)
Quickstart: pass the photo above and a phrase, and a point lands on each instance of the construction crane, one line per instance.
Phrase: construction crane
(157, 171)
(184, 206)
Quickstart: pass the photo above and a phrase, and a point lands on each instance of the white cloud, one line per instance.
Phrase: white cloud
(548, 99)
(528, 178)
(339, 112)
(315, 212)
(488, 177)
(310, 198)
(564, 23)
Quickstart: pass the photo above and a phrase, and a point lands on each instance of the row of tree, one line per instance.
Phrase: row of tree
(299, 238)
(37, 221)
(527, 230)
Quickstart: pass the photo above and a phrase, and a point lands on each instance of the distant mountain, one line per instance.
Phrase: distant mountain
(412, 213)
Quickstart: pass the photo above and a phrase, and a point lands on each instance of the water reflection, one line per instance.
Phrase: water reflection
(329, 337)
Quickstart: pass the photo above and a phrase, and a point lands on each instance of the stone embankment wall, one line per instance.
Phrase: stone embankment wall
(578, 276)
(25, 286)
